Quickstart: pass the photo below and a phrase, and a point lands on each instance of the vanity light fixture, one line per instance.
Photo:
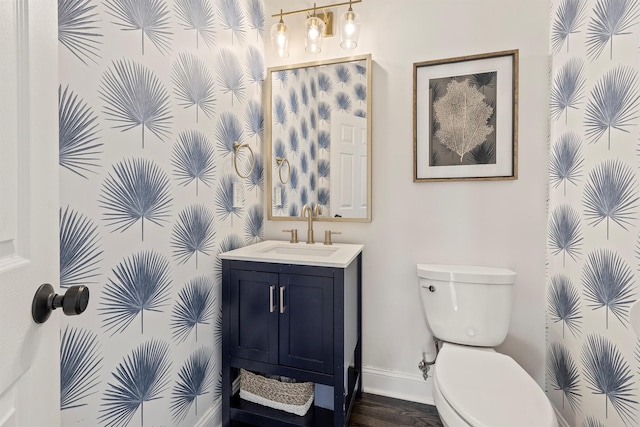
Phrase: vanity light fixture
(317, 27)
(280, 38)
(314, 30)
(349, 29)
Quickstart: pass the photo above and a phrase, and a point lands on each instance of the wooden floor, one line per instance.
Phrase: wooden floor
(378, 411)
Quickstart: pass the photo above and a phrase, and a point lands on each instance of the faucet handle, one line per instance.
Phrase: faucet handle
(294, 235)
(327, 236)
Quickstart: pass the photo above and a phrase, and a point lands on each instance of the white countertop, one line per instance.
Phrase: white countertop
(282, 252)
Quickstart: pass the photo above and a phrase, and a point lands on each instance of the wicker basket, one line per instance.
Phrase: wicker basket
(295, 398)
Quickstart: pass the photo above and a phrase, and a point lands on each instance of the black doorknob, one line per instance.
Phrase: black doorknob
(73, 302)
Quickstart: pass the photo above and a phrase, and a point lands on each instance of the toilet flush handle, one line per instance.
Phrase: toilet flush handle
(432, 288)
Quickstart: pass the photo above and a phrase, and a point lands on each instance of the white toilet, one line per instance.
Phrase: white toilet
(469, 309)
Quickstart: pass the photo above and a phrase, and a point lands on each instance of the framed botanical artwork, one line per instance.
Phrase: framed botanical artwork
(465, 118)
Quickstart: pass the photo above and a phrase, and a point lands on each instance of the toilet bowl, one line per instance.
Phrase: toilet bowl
(478, 387)
(468, 308)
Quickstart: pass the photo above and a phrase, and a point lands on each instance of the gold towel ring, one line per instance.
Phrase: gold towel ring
(237, 146)
(281, 161)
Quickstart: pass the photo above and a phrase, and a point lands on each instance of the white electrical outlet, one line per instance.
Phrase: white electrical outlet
(277, 191)
(237, 195)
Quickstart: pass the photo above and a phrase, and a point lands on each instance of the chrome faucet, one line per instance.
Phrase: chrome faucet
(310, 213)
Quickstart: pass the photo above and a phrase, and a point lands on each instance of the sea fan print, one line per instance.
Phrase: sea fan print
(324, 111)
(256, 178)
(569, 18)
(323, 197)
(194, 306)
(141, 377)
(566, 161)
(197, 16)
(230, 75)
(610, 194)
(343, 75)
(324, 140)
(134, 97)
(613, 104)
(80, 251)
(193, 159)
(564, 376)
(325, 85)
(360, 92)
(565, 235)
(611, 18)
(608, 283)
(150, 17)
(294, 102)
(80, 364)
(77, 134)
(77, 29)
(141, 282)
(343, 102)
(195, 378)
(568, 89)
(232, 19)
(294, 141)
(564, 303)
(136, 190)
(193, 233)
(193, 84)
(609, 374)
(280, 112)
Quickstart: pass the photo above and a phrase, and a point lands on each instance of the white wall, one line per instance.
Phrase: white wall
(499, 223)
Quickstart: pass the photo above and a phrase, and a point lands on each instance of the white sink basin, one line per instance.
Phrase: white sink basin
(283, 252)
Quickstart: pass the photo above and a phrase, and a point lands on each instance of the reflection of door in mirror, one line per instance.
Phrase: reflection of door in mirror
(349, 164)
(319, 125)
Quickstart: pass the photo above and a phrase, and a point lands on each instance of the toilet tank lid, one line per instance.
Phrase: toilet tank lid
(467, 274)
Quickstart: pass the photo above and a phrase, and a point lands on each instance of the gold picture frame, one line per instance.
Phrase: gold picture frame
(465, 118)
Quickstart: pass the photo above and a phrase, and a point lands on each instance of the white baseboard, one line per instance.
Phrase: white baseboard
(213, 417)
(397, 385)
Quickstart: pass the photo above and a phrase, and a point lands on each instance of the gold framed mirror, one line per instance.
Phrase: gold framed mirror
(318, 133)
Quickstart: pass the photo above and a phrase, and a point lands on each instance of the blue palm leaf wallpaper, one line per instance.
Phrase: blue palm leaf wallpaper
(139, 283)
(150, 17)
(564, 374)
(611, 18)
(567, 90)
(568, 20)
(608, 374)
(80, 249)
(193, 234)
(613, 104)
(134, 96)
(78, 138)
(136, 190)
(143, 155)
(78, 29)
(80, 364)
(194, 306)
(593, 224)
(193, 84)
(193, 159)
(610, 195)
(142, 376)
(195, 379)
(197, 16)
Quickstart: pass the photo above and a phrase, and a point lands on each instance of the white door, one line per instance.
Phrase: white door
(348, 191)
(29, 353)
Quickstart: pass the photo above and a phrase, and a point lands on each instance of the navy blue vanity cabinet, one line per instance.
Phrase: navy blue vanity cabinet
(297, 321)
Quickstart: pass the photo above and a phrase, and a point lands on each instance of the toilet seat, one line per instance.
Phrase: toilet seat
(489, 389)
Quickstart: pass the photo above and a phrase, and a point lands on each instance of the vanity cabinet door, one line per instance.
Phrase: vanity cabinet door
(254, 318)
(306, 322)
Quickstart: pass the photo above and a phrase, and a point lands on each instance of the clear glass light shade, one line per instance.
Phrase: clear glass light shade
(314, 33)
(349, 29)
(280, 39)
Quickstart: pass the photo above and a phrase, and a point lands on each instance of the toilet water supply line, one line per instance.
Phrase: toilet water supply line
(424, 365)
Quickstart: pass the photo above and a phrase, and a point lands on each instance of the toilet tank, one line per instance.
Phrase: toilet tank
(465, 304)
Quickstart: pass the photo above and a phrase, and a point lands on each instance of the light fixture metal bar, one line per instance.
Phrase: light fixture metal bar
(311, 9)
